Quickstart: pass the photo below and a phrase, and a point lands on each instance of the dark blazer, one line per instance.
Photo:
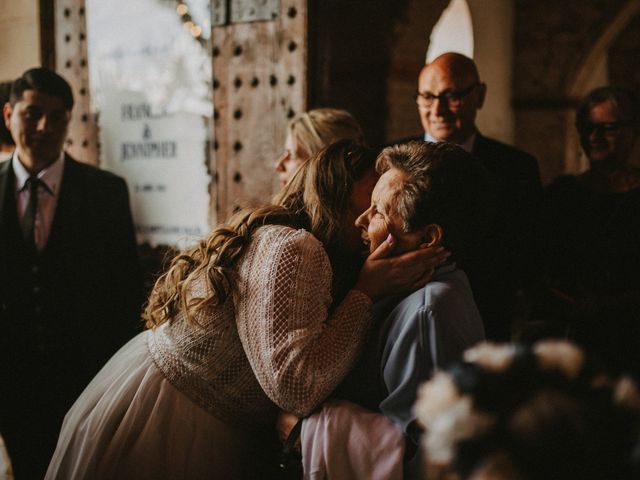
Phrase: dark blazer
(504, 261)
(65, 311)
(509, 260)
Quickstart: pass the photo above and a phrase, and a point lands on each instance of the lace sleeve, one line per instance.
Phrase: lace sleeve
(297, 353)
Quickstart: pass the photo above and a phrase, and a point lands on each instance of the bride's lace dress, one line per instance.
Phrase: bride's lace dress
(199, 400)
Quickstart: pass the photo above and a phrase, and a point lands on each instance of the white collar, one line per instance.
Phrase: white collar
(50, 176)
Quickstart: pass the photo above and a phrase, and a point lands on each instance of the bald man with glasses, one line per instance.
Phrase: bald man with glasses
(450, 93)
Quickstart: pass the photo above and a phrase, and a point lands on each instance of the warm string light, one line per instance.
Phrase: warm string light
(182, 9)
(195, 30)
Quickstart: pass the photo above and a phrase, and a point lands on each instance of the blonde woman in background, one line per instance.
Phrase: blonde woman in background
(310, 132)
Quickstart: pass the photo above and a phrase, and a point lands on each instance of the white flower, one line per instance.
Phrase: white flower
(435, 396)
(559, 355)
(491, 356)
(456, 423)
(447, 417)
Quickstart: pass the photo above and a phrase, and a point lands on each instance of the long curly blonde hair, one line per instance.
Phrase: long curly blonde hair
(317, 199)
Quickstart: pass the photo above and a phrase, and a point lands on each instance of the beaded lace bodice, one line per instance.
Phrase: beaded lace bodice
(273, 342)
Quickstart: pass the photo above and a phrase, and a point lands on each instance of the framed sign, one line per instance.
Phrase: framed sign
(150, 77)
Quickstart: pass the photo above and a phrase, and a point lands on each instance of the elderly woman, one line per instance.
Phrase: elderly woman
(428, 194)
(310, 132)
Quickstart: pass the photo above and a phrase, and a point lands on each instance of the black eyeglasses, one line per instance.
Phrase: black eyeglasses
(453, 98)
(587, 128)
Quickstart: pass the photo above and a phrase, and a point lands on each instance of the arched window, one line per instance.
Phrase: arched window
(453, 32)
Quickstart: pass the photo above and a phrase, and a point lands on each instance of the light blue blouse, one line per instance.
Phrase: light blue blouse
(428, 330)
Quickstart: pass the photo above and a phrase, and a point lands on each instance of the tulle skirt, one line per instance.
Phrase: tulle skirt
(130, 422)
(347, 442)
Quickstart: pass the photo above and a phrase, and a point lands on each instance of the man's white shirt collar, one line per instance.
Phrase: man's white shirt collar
(50, 176)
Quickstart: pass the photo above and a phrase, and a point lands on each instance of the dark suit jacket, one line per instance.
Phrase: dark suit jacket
(509, 261)
(590, 246)
(504, 261)
(65, 311)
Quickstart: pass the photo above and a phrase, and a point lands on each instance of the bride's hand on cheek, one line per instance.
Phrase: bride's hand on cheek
(383, 275)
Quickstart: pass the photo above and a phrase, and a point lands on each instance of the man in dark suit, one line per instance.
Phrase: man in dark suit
(70, 289)
(449, 95)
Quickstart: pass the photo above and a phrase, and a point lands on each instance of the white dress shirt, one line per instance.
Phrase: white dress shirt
(47, 197)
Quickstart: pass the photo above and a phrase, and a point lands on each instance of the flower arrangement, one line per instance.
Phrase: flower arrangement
(539, 412)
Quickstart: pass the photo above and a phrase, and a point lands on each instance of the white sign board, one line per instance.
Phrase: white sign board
(163, 156)
(150, 88)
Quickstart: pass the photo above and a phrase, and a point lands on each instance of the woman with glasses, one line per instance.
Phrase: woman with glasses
(591, 232)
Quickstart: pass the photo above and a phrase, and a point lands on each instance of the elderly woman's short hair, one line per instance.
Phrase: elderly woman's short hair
(442, 184)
